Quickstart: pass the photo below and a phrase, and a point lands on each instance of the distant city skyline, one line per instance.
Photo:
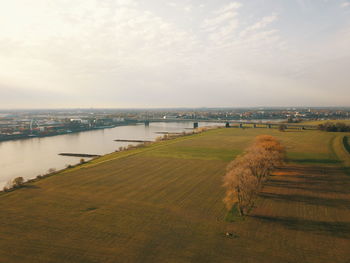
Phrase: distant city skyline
(159, 54)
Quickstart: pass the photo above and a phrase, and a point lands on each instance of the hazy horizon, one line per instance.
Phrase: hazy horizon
(129, 54)
(177, 108)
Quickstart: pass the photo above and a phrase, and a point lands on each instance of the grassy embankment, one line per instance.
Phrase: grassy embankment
(163, 203)
(324, 121)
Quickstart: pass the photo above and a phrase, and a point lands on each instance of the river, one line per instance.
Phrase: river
(31, 157)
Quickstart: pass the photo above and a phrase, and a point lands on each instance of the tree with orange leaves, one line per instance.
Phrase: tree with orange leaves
(246, 173)
(241, 186)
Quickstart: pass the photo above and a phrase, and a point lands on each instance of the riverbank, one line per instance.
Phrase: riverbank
(4, 138)
(31, 157)
(93, 157)
(163, 202)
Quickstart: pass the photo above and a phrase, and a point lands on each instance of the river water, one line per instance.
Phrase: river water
(31, 157)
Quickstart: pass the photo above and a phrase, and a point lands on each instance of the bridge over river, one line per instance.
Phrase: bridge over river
(235, 123)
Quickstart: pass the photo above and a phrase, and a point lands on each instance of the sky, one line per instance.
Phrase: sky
(167, 53)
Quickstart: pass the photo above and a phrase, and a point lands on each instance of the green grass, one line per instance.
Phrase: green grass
(163, 203)
(324, 121)
(233, 215)
(346, 142)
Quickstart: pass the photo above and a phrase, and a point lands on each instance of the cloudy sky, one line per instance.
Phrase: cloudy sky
(168, 53)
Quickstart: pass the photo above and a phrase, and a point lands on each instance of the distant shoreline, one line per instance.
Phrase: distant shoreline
(26, 136)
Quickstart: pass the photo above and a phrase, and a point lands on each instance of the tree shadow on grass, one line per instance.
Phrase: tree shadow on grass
(310, 200)
(336, 229)
(319, 161)
(30, 186)
(315, 179)
(310, 169)
(326, 178)
(347, 170)
(310, 187)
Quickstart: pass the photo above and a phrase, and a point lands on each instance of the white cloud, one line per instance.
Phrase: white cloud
(229, 8)
(188, 8)
(264, 22)
(222, 17)
(86, 38)
(225, 31)
(109, 51)
(345, 4)
(213, 23)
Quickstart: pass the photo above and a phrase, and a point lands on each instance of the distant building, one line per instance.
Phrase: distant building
(169, 117)
(118, 119)
(76, 120)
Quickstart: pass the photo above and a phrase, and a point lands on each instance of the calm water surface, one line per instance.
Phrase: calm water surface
(31, 157)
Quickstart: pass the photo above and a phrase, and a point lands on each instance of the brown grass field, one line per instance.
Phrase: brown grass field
(163, 203)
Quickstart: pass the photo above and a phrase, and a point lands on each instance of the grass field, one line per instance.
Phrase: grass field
(163, 203)
(324, 121)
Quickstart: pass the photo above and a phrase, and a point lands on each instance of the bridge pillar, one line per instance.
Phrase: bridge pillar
(227, 125)
(146, 123)
(195, 125)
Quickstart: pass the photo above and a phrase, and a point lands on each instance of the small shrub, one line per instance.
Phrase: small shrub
(15, 183)
(51, 170)
(130, 146)
(334, 127)
(282, 127)
(159, 138)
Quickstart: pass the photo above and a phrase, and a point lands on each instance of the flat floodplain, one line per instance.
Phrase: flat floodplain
(163, 203)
